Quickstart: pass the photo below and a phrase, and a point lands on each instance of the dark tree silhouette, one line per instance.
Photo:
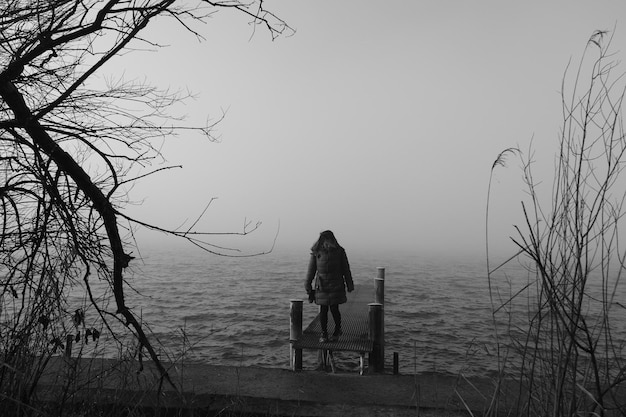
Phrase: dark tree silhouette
(68, 153)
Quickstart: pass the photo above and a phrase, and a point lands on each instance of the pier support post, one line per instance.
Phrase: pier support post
(295, 333)
(69, 340)
(377, 357)
(396, 363)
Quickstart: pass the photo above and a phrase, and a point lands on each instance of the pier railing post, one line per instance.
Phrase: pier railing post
(379, 284)
(377, 356)
(377, 322)
(295, 333)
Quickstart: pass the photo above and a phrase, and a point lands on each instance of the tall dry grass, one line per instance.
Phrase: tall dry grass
(565, 355)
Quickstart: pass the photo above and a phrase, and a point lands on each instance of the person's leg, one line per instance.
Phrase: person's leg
(337, 318)
(324, 321)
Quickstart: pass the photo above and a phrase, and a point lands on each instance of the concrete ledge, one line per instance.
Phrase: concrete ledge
(268, 391)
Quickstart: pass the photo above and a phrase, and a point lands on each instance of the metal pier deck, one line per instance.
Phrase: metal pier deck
(354, 324)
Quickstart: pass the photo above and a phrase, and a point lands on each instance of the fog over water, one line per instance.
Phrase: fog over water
(378, 121)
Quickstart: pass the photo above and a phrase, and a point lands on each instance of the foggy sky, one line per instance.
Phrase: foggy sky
(379, 121)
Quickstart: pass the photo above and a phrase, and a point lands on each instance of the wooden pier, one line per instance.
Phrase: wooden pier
(362, 324)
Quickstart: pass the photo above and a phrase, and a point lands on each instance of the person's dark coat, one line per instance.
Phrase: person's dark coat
(331, 272)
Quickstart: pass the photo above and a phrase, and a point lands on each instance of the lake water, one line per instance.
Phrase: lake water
(235, 311)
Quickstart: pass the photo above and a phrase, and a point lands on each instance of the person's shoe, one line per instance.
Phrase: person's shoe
(336, 334)
(324, 338)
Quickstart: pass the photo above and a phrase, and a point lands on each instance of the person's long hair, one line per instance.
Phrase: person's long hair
(326, 242)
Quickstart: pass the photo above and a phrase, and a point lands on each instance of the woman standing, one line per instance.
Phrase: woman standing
(330, 268)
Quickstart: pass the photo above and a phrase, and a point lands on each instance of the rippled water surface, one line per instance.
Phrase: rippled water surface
(235, 311)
